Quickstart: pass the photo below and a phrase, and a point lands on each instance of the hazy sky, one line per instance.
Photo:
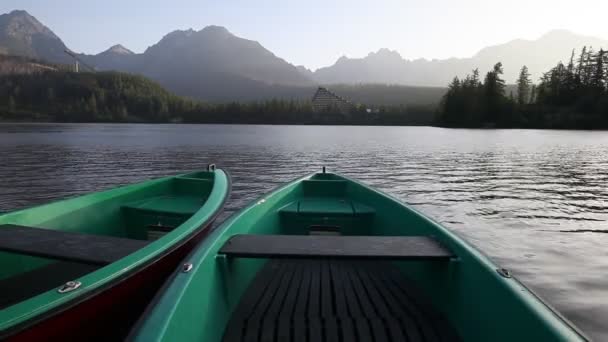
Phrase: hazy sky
(315, 33)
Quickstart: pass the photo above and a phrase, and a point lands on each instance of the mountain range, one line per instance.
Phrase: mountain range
(386, 66)
(214, 64)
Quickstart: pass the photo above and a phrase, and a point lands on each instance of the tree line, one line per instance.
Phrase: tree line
(119, 97)
(574, 95)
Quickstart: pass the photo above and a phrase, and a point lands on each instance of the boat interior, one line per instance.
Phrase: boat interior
(44, 247)
(328, 263)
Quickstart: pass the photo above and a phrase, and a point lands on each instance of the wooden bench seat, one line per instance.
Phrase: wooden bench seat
(339, 247)
(69, 246)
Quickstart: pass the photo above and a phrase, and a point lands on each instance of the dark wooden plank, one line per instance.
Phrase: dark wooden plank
(235, 331)
(281, 293)
(314, 296)
(252, 331)
(436, 325)
(347, 328)
(284, 329)
(29, 284)
(237, 328)
(255, 321)
(69, 246)
(271, 315)
(299, 330)
(293, 292)
(266, 298)
(378, 330)
(354, 308)
(366, 306)
(268, 329)
(259, 286)
(327, 300)
(331, 330)
(395, 332)
(374, 297)
(362, 330)
(346, 247)
(301, 307)
(400, 320)
(338, 289)
(392, 281)
(315, 329)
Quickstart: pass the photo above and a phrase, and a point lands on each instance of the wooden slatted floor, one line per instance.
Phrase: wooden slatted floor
(334, 300)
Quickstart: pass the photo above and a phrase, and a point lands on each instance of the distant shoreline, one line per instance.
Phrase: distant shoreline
(295, 124)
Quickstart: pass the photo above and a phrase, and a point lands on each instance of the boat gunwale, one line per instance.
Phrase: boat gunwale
(118, 276)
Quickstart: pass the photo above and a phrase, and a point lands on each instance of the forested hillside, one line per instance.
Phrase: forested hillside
(24, 65)
(67, 96)
(119, 97)
(571, 95)
(389, 95)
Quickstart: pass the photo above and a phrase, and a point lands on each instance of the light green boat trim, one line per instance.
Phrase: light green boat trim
(48, 215)
(480, 303)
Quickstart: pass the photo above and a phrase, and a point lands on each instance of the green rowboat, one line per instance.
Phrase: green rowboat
(85, 268)
(326, 258)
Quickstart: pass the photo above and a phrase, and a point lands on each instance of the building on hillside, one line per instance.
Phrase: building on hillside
(324, 101)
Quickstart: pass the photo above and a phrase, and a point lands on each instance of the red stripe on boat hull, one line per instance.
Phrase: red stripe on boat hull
(109, 315)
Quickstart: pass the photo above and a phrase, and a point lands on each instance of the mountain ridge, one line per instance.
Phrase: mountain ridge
(387, 66)
(23, 35)
(118, 49)
(214, 64)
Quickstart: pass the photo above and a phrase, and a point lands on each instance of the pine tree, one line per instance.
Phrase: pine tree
(451, 103)
(11, 104)
(598, 76)
(532, 98)
(50, 94)
(92, 104)
(475, 78)
(571, 67)
(588, 68)
(494, 92)
(454, 86)
(523, 86)
(581, 65)
(557, 83)
(571, 79)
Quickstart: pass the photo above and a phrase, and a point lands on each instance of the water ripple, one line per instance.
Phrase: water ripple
(512, 193)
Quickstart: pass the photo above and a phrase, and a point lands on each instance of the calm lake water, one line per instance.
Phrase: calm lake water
(534, 201)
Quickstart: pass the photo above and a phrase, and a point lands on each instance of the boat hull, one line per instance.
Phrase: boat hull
(109, 314)
(169, 215)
